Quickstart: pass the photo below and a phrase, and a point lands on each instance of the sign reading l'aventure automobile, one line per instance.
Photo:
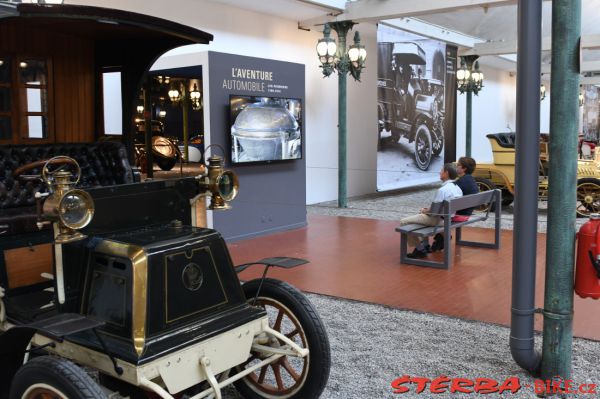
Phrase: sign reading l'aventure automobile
(252, 80)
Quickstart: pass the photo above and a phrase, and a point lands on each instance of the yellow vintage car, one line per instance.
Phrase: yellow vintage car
(501, 174)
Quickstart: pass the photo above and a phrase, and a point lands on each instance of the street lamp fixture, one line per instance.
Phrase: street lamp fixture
(196, 98)
(174, 95)
(469, 79)
(334, 57)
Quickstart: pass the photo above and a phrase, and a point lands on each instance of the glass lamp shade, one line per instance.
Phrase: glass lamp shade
(162, 113)
(140, 109)
(174, 95)
(363, 54)
(326, 47)
(353, 54)
(195, 94)
(476, 76)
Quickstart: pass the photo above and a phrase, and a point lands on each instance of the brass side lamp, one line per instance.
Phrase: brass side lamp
(72, 209)
(222, 184)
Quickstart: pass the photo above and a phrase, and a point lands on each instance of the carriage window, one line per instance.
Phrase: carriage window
(111, 91)
(24, 99)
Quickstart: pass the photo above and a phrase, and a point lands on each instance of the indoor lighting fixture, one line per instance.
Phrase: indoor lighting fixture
(335, 57)
(469, 78)
(1, 62)
(542, 92)
(162, 113)
(23, 64)
(174, 95)
(140, 109)
(163, 80)
(196, 98)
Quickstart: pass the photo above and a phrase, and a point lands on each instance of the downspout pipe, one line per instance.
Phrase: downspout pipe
(562, 195)
(526, 185)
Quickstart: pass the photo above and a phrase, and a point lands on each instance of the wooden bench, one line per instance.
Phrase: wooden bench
(491, 199)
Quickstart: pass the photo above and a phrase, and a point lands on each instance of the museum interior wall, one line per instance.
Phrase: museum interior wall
(248, 33)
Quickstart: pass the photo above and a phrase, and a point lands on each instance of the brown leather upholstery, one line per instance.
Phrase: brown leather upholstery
(102, 164)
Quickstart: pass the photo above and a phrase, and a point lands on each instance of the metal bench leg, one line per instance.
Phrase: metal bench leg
(403, 247)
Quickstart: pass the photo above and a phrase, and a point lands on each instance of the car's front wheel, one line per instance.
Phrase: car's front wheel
(291, 314)
(423, 147)
(56, 378)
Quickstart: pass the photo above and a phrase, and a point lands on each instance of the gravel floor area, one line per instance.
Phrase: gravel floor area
(394, 205)
(373, 345)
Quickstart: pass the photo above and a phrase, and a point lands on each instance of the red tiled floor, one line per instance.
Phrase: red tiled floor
(359, 259)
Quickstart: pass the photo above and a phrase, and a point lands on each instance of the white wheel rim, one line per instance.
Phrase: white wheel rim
(43, 387)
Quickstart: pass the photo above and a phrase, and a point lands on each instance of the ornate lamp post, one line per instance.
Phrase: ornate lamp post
(334, 57)
(469, 80)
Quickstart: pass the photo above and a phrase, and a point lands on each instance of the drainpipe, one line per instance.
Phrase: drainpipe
(526, 185)
(562, 174)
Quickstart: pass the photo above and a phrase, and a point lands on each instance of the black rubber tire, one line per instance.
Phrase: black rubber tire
(318, 360)
(58, 374)
(507, 198)
(588, 196)
(423, 147)
(485, 185)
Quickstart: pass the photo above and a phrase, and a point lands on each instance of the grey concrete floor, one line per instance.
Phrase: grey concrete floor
(394, 205)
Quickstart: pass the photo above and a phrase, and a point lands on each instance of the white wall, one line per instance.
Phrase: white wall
(494, 109)
(249, 33)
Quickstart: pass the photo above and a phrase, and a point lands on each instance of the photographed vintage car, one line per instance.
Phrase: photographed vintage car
(108, 287)
(501, 174)
(408, 105)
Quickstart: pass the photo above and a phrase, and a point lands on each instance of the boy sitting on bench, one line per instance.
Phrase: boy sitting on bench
(430, 216)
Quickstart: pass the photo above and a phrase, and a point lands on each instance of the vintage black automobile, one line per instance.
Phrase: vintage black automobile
(408, 105)
(107, 287)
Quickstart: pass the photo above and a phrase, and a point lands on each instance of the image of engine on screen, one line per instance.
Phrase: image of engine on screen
(265, 129)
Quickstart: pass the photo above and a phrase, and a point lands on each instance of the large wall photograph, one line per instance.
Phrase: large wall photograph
(416, 104)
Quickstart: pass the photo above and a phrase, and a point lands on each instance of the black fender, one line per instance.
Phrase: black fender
(13, 344)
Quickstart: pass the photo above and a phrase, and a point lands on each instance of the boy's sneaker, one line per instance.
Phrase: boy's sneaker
(438, 243)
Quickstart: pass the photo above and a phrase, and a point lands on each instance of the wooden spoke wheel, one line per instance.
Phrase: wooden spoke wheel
(588, 197)
(485, 185)
(293, 315)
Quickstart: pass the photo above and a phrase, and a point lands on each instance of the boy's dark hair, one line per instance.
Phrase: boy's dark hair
(468, 164)
(448, 167)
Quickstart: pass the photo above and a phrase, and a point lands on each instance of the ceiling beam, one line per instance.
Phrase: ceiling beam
(432, 31)
(378, 10)
(586, 66)
(510, 47)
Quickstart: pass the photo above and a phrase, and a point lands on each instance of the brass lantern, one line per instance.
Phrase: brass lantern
(72, 209)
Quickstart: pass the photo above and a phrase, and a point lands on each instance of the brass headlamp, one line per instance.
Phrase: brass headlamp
(72, 209)
(222, 184)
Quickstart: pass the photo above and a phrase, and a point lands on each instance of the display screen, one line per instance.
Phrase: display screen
(265, 129)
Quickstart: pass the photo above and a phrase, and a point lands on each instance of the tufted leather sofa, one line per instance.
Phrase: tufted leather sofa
(102, 164)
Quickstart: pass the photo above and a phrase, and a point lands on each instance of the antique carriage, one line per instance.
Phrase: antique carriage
(108, 288)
